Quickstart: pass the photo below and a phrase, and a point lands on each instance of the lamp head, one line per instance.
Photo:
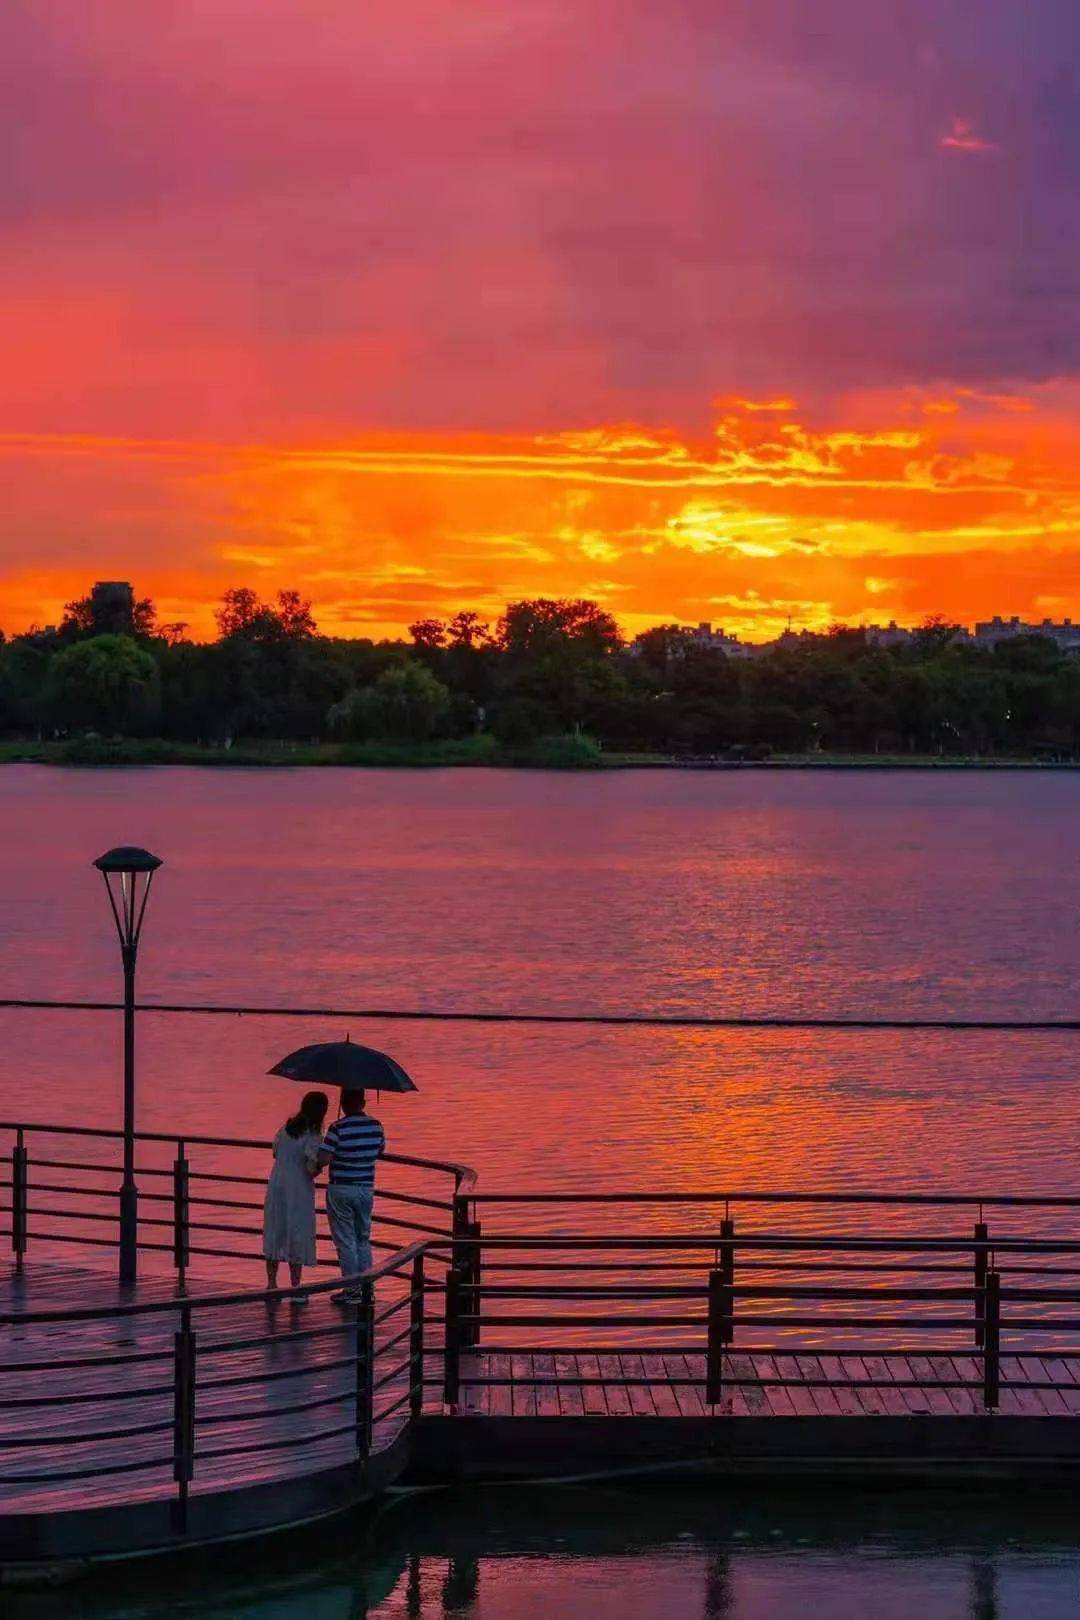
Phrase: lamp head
(127, 858)
(128, 872)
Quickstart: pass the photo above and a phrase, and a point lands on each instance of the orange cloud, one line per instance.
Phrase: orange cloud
(887, 509)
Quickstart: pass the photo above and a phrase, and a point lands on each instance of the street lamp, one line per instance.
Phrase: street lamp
(128, 874)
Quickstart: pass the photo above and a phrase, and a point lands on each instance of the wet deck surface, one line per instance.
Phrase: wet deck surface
(86, 1408)
(88, 1397)
(673, 1385)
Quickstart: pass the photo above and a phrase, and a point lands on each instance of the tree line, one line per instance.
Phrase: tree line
(544, 669)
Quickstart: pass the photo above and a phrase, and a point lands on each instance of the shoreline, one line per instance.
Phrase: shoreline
(556, 754)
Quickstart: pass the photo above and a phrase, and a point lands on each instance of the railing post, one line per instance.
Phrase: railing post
(727, 1262)
(472, 1329)
(20, 1178)
(183, 1411)
(416, 1338)
(714, 1353)
(181, 1212)
(365, 1367)
(992, 1345)
(452, 1341)
(980, 1284)
(464, 1262)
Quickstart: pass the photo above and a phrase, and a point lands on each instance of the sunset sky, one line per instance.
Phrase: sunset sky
(736, 310)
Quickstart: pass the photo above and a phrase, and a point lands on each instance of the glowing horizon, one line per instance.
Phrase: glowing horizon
(705, 315)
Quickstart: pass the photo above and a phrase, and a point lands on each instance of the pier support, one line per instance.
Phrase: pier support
(981, 1267)
(992, 1345)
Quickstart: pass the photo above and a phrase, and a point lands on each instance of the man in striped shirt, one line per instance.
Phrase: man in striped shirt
(351, 1147)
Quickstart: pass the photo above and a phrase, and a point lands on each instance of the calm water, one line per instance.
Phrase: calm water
(638, 891)
(666, 892)
(612, 1554)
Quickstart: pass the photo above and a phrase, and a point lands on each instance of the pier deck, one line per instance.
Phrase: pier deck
(807, 1384)
(926, 1336)
(112, 1376)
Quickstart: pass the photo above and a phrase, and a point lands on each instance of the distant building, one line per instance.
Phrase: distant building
(888, 635)
(892, 635)
(705, 636)
(990, 631)
(701, 635)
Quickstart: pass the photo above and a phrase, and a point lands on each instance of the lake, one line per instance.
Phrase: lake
(615, 1553)
(914, 893)
(848, 893)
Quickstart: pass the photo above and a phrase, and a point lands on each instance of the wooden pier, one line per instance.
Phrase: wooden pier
(504, 1336)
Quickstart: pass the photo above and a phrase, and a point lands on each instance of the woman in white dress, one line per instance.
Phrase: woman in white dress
(289, 1210)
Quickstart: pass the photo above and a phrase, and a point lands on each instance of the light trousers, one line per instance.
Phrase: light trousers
(349, 1212)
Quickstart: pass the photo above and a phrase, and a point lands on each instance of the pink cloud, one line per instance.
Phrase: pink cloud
(963, 138)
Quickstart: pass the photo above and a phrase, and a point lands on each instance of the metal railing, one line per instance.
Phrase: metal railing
(207, 1386)
(972, 1308)
(198, 1197)
(207, 1374)
(204, 1389)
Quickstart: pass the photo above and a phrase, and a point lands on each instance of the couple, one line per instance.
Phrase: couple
(350, 1149)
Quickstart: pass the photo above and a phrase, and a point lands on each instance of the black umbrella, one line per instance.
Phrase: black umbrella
(344, 1064)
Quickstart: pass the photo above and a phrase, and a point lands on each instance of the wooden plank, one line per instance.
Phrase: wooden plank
(617, 1397)
(1051, 1401)
(523, 1391)
(1062, 1372)
(970, 1369)
(663, 1395)
(964, 1401)
(594, 1398)
(893, 1403)
(734, 1395)
(688, 1397)
(869, 1399)
(847, 1398)
(778, 1400)
(757, 1404)
(473, 1396)
(641, 1399)
(571, 1403)
(825, 1400)
(548, 1402)
(938, 1400)
(500, 1396)
(1026, 1402)
(801, 1398)
(911, 1399)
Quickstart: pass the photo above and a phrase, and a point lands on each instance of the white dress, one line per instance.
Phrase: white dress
(289, 1210)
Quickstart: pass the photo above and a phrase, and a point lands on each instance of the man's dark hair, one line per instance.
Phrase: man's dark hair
(352, 1102)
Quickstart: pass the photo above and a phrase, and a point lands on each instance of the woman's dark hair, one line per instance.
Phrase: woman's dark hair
(312, 1113)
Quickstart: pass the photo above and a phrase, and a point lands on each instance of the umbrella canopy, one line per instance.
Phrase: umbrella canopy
(344, 1064)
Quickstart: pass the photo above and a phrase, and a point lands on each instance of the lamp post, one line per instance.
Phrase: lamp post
(128, 874)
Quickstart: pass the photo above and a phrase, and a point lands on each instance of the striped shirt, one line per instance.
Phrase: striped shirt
(354, 1142)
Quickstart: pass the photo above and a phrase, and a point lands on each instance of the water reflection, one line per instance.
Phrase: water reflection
(642, 891)
(616, 1554)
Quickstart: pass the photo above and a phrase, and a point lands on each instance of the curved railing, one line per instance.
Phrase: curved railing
(133, 1402)
(197, 1195)
(179, 1397)
(105, 1401)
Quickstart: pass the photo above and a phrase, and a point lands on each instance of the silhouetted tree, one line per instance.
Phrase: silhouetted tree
(110, 609)
(549, 668)
(406, 704)
(108, 683)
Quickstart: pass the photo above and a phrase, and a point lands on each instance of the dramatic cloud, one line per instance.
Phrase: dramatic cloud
(406, 247)
(961, 504)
